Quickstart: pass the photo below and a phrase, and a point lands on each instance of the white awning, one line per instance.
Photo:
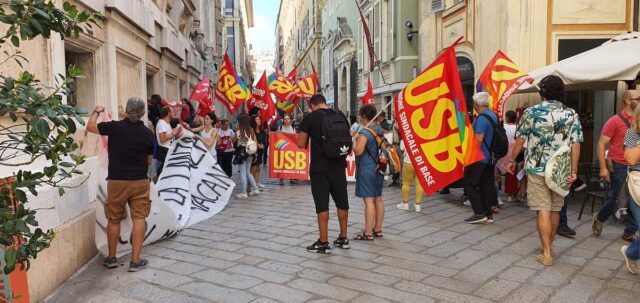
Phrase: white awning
(597, 69)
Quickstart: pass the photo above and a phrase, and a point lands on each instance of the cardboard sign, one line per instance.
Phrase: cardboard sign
(286, 160)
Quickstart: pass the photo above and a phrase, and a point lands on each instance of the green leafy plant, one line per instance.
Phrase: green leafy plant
(41, 125)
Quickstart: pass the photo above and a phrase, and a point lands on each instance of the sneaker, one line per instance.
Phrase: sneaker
(403, 206)
(133, 267)
(261, 186)
(490, 219)
(319, 247)
(254, 192)
(467, 203)
(476, 219)
(241, 196)
(110, 262)
(632, 265)
(596, 226)
(500, 203)
(342, 242)
(418, 208)
(629, 239)
(566, 231)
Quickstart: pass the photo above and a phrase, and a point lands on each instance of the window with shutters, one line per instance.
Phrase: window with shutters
(390, 27)
(376, 25)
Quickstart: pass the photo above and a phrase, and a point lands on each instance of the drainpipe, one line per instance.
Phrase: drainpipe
(636, 12)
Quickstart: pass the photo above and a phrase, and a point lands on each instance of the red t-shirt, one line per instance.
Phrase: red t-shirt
(615, 128)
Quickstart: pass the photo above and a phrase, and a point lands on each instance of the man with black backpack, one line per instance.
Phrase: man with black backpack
(331, 142)
(478, 177)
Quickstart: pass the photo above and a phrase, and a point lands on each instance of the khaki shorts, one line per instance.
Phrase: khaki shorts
(133, 192)
(540, 197)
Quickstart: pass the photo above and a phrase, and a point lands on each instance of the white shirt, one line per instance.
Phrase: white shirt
(287, 129)
(163, 127)
(510, 129)
(405, 158)
(206, 137)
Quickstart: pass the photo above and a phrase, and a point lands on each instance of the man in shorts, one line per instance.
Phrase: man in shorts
(545, 128)
(328, 176)
(130, 153)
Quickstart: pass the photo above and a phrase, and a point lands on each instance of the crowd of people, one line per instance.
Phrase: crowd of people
(533, 141)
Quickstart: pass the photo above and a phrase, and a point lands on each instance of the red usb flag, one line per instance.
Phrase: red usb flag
(231, 90)
(293, 75)
(262, 99)
(367, 35)
(434, 124)
(281, 87)
(500, 79)
(367, 98)
(202, 94)
(307, 86)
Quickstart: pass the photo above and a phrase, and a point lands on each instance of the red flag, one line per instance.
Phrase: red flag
(262, 99)
(231, 90)
(307, 86)
(202, 94)
(434, 124)
(367, 35)
(293, 75)
(281, 87)
(367, 98)
(500, 79)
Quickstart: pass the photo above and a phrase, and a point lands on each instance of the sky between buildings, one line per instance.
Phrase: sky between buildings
(262, 34)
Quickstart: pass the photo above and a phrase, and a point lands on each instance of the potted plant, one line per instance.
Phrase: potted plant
(39, 130)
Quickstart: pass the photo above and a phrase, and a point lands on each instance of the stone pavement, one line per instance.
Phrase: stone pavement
(254, 251)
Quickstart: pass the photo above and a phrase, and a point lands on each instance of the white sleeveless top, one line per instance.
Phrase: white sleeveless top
(206, 137)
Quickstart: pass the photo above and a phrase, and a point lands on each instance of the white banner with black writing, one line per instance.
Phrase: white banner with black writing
(192, 188)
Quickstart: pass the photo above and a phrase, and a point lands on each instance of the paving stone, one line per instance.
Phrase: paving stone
(225, 279)
(350, 272)
(366, 298)
(424, 258)
(463, 259)
(601, 268)
(314, 274)
(216, 293)
(251, 260)
(451, 284)
(568, 259)
(221, 254)
(594, 243)
(446, 249)
(260, 273)
(496, 289)
(616, 296)
(400, 273)
(580, 289)
(183, 268)
(630, 285)
(280, 267)
(271, 255)
(530, 293)
(381, 291)
(281, 293)
(160, 277)
(518, 274)
(153, 293)
(555, 275)
(264, 300)
(486, 268)
(422, 267)
(474, 236)
(267, 244)
(323, 289)
(438, 293)
(489, 245)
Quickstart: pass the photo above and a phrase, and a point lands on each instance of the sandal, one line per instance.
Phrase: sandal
(544, 260)
(378, 234)
(363, 237)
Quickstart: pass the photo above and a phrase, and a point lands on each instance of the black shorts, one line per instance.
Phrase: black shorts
(332, 182)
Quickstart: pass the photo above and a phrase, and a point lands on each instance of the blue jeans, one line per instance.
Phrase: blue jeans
(246, 173)
(563, 214)
(618, 177)
(633, 252)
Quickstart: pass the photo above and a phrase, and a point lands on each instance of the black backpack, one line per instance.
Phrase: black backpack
(499, 143)
(336, 135)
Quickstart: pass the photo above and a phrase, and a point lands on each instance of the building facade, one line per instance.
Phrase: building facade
(533, 34)
(298, 35)
(143, 47)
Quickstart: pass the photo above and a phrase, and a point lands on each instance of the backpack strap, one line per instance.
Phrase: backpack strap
(493, 124)
(378, 142)
(626, 122)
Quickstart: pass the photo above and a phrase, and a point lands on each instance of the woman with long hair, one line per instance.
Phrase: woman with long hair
(245, 132)
(261, 140)
(164, 134)
(209, 134)
(369, 181)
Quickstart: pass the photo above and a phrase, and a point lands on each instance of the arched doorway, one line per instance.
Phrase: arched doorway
(467, 73)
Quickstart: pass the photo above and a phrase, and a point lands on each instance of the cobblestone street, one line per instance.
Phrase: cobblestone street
(254, 251)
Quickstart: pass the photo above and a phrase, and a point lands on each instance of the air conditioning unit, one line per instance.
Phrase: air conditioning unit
(437, 6)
